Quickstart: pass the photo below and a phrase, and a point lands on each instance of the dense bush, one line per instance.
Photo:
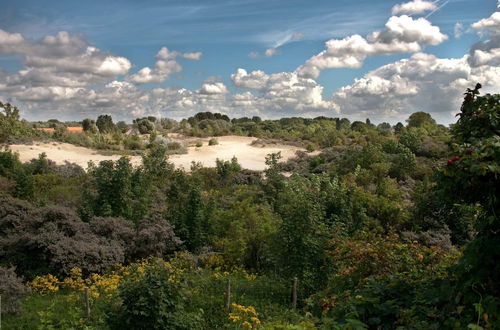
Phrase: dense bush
(52, 239)
(471, 179)
(154, 298)
(12, 290)
(144, 126)
(154, 236)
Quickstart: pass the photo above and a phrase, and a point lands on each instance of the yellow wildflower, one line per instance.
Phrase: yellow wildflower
(45, 284)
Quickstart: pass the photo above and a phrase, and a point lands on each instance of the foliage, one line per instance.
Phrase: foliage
(12, 290)
(154, 236)
(378, 280)
(105, 124)
(243, 234)
(155, 162)
(10, 124)
(301, 238)
(89, 125)
(421, 119)
(144, 125)
(153, 298)
(52, 239)
(119, 190)
(470, 178)
(227, 169)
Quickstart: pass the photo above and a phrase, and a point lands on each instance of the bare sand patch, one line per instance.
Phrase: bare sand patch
(250, 157)
(62, 152)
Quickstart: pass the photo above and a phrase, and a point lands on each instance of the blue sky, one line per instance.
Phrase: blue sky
(232, 35)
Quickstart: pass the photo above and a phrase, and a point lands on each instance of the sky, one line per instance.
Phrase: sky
(357, 59)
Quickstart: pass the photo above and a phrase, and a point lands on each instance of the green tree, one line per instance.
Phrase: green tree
(24, 183)
(244, 233)
(155, 161)
(274, 182)
(122, 126)
(195, 223)
(105, 124)
(398, 128)
(302, 237)
(110, 190)
(144, 125)
(226, 169)
(410, 139)
(89, 125)
(10, 125)
(421, 119)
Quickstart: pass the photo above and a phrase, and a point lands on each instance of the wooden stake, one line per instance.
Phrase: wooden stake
(228, 294)
(87, 302)
(294, 292)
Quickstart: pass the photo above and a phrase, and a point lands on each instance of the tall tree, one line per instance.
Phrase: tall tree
(105, 124)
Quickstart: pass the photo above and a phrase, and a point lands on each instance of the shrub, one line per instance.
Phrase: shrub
(154, 237)
(144, 126)
(153, 298)
(133, 142)
(213, 142)
(11, 290)
(52, 239)
(199, 144)
(89, 125)
(8, 163)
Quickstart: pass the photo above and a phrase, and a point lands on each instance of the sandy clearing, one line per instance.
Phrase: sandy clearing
(249, 156)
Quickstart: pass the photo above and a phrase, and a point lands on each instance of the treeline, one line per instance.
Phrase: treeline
(104, 134)
(394, 228)
(11, 127)
(320, 132)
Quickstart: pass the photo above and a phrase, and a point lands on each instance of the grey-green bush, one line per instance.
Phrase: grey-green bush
(12, 290)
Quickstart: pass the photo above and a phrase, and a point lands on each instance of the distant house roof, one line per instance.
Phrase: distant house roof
(74, 129)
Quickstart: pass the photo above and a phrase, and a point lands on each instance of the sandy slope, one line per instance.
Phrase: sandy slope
(249, 157)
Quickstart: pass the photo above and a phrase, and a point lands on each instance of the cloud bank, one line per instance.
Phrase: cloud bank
(63, 76)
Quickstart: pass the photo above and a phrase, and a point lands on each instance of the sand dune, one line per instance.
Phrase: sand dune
(250, 157)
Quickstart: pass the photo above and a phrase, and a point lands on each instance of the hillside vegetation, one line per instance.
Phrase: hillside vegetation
(384, 227)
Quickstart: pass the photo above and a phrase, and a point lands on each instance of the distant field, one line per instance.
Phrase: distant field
(250, 157)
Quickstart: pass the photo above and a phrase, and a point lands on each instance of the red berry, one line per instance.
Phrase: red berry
(468, 151)
(450, 162)
(455, 159)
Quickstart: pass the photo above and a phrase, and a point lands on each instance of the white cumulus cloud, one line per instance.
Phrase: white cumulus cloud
(166, 54)
(402, 34)
(63, 59)
(487, 52)
(413, 7)
(423, 82)
(165, 66)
